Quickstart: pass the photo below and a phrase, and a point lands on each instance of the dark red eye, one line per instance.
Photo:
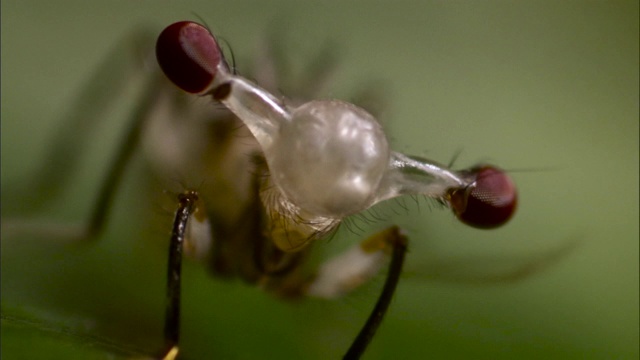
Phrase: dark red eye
(189, 55)
(488, 202)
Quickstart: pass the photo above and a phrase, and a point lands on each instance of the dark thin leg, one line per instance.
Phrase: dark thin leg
(108, 188)
(78, 125)
(359, 345)
(123, 158)
(172, 314)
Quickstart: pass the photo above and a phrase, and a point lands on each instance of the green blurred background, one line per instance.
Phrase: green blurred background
(548, 89)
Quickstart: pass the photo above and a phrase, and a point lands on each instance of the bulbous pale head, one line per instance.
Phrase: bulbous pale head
(329, 159)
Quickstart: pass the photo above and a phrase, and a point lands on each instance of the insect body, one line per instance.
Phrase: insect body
(310, 166)
(277, 174)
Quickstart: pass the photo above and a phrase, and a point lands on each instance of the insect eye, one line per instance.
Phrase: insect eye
(189, 55)
(488, 202)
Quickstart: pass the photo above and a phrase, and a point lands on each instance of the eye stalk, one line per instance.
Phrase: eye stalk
(488, 201)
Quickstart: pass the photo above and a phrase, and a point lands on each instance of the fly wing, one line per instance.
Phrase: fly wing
(487, 270)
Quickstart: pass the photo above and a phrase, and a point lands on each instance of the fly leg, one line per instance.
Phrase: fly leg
(79, 123)
(183, 224)
(359, 264)
(53, 176)
(197, 234)
(398, 242)
(117, 168)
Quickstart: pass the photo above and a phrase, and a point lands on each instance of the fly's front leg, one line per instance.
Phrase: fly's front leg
(100, 92)
(190, 234)
(77, 125)
(359, 264)
(122, 159)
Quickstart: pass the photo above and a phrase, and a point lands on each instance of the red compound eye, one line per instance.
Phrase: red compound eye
(189, 55)
(488, 202)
